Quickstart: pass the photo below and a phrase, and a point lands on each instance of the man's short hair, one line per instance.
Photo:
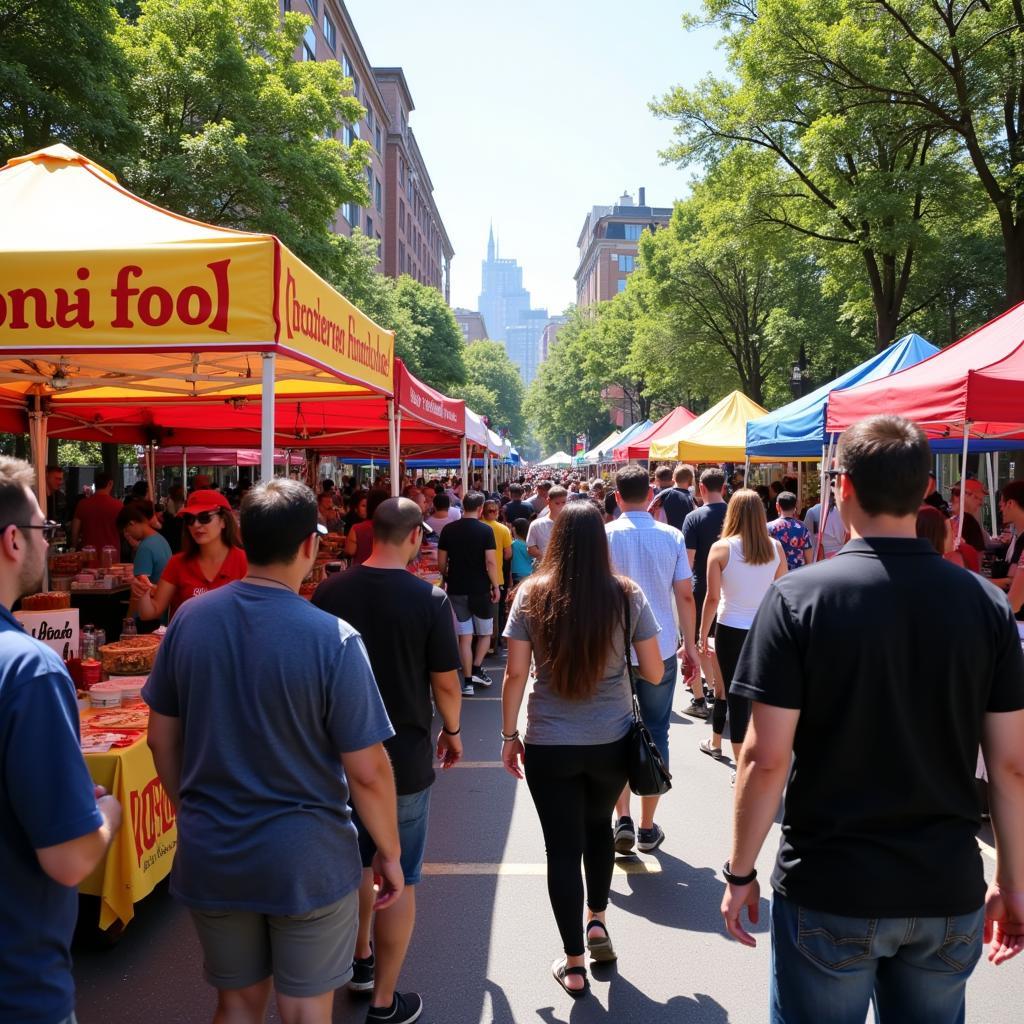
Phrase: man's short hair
(277, 516)
(516, 490)
(54, 469)
(683, 475)
(101, 480)
(663, 473)
(713, 480)
(1014, 491)
(442, 502)
(597, 485)
(140, 511)
(544, 485)
(786, 501)
(394, 519)
(887, 460)
(16, 476)
(472, 501)
(557, 491)
(632, 483)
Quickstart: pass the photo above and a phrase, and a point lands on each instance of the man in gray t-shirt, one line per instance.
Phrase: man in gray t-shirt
(265, 719)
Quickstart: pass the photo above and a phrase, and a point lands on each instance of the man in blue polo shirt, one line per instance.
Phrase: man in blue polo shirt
(55, 825)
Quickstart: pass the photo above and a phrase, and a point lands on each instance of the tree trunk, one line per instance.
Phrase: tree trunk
(110, 464)
(51, 451)
(1013, 248)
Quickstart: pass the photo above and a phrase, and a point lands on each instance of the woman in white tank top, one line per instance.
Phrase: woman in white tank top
(741, 568)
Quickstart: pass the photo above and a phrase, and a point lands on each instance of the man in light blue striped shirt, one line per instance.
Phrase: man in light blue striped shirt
(653, 555)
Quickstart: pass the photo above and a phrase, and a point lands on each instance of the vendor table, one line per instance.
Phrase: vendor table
(105, 609)
(143, 850)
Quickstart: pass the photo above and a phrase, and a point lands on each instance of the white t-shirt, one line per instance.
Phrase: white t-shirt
(540, 533)
(438, 523)
(835, 530)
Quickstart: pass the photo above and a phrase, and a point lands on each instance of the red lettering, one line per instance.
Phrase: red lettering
(152, 815)
(220, 277)
(184, 305)
(166, 306)
(18, 298)
(121, 292)
(134, 803)
(73, 314)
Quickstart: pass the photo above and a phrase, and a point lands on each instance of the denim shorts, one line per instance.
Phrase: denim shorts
(413, 812)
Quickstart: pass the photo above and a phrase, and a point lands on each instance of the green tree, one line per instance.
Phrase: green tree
(235, 130)
(62, 79)
(864, 181)
(427, 335)
(489, 369)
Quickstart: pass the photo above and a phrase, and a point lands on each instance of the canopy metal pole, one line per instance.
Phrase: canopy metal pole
(267, 398)
(826, 494)
(963, 480)
(151, 471)
(37, 440)
(393, 447)
(993, 486)
(799, 486)
(184, 469)
(463, 461)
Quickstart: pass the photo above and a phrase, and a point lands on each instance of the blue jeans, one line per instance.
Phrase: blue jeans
(413, 812)
(826, 967)
(656, 705)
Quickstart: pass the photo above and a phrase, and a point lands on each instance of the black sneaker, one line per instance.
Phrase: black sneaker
(362, 974)
(467, 688)
(696, 709)
(625, 835)
(481, 677)
(405, 1008)
(648, 839)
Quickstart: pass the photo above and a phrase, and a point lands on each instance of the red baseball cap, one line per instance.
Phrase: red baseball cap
(204, 501)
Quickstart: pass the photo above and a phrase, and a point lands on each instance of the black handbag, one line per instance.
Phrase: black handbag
(648, 773)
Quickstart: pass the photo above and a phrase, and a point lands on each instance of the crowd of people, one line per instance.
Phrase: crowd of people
(854, 661)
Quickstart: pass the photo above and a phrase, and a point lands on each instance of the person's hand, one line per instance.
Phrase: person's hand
(98, 791)
(141, 587)
(512, 755)
(495, 593)
(111, 811)
(703, 648)
(1004, 924)
(389, 880)
(689, 663)
(735, 899)
(449, 750)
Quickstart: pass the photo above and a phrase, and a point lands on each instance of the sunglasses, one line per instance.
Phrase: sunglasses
(203, 519)
(49, 528)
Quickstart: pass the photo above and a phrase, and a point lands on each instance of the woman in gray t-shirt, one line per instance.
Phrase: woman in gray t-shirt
(569, 617)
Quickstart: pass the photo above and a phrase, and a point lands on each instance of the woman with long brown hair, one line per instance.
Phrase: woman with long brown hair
(741, 567)
(570, 618)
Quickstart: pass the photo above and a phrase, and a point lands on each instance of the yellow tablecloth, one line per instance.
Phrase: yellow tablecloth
(143, 850)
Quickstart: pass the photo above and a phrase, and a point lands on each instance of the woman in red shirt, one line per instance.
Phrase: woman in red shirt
(211, 556)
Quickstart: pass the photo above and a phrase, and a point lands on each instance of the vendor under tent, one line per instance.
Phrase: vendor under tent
(108, 301)
(640, 446)
(560, 460)
(797, 430)
(718, 435)
(969, 396)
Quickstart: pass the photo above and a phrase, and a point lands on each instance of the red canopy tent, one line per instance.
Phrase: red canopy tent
(221, 457)
(640, 446)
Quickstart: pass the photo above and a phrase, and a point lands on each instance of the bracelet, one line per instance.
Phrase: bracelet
(448, 732)
(738, 879)
(509, 739)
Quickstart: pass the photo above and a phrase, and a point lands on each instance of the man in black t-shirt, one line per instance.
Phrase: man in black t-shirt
(467, 557)
(701, 528)
(677, 501)
(515, 508)
(406, 625)
(874, 676)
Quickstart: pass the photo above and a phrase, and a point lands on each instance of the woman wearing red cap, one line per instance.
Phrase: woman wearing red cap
(211, 556)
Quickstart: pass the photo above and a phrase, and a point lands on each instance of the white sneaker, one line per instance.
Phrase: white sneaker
(481, 677)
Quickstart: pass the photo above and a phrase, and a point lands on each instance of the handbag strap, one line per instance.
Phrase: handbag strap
(627, 638)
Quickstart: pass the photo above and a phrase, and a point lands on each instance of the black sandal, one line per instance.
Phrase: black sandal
(559, 971)
(600, 946)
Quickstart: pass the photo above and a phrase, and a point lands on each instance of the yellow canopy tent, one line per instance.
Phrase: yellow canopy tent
(107, 298)
(719, 435)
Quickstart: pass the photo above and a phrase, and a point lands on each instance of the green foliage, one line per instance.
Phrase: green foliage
(428, 337)
(90, 453)
(63, 79)
(493, 387)
(235, 131)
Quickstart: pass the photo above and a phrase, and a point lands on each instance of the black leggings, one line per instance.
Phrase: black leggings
(574, 789)
(728, 644)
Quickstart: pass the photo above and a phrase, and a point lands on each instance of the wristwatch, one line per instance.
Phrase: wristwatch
(738, 879)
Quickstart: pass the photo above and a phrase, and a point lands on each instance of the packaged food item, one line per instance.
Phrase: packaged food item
(105, 695)
(49, 601)
(131, 656)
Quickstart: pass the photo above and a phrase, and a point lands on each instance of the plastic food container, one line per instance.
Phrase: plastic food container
(105, 695)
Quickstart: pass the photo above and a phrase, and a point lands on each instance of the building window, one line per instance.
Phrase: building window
(309, 44)
(369, 119)
(369, 180)
(355, 86)
(330, 32)
(627, 263)
(620, 285)
(369, 227)
(286, 5)
(633, 232)
(379, 196)
(377, 137)
(352, 214)
(346, 66)
(312, 5)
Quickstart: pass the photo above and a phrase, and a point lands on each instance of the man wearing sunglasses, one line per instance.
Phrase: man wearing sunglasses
(55, 825)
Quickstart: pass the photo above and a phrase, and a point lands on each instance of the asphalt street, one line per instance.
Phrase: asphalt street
(485, 937)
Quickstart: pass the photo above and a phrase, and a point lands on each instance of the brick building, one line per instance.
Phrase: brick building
(472, 325)
(608, 246)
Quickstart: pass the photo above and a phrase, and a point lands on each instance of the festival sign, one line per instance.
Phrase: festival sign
(429, 406)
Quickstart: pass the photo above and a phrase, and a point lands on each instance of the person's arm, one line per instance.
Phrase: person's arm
(447, 690)
(760, 779)
(1015, 595)
(491, 561)
(531, 544)
(1003, 745)
(371, 782)
(350, 542)
(780, 554)
(164, 741)
(686, 607)
(513, 686)
(716, 557)
(442, 561)
(72, 862)
(150, 602)
(648, 657)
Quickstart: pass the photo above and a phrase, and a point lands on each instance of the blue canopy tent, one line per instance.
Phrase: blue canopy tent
(797, 430)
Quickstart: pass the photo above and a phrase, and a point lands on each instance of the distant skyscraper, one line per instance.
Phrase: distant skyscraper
(505, 306)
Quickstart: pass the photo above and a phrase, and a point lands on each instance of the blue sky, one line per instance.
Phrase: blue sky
(529, 113)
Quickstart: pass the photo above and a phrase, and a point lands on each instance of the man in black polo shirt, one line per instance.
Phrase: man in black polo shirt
(875, 676)
(516, 508)
(677, 501)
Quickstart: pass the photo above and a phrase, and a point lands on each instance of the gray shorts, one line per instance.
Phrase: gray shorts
(307, 954)
(466, 623)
